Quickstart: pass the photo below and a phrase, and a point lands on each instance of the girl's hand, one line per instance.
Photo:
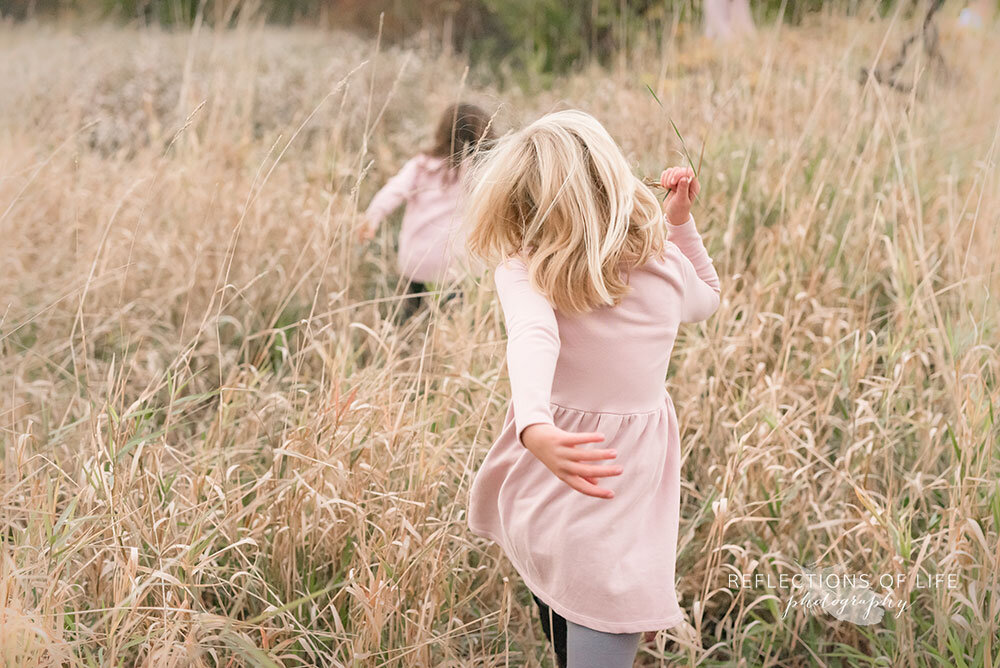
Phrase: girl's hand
(557, 450)
(366, 232)
(684, 187)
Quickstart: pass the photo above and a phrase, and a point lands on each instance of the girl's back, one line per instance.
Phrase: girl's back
(431, 191)
(615, 358)
(430, 186)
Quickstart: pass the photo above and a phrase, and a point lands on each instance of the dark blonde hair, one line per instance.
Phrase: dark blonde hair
(560, 195)
(463, 128)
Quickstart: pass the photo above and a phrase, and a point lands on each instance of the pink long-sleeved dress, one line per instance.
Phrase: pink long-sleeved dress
(607, 564)
(428, 239)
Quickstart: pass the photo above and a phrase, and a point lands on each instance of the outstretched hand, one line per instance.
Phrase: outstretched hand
(557, 450)
(366, 232)
(684, 188)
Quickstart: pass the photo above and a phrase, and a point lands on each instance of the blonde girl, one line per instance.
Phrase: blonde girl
(581, 489)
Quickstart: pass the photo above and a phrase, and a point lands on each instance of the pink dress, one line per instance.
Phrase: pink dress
(428, 240)
(607, 564)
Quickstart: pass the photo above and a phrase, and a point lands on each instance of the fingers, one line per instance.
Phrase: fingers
(682, 188)
(584, 455)
(580, 438)
(670, 178)
(688, 187)
(590, 471)
(665, 178)
(588, 488)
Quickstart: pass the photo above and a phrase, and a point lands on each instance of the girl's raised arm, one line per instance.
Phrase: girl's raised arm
(701, 282)
(392, 194)
(532, 344)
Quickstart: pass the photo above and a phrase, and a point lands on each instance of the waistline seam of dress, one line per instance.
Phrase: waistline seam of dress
(666, 398)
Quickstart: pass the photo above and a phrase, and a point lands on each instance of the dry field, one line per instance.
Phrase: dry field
(218, 448)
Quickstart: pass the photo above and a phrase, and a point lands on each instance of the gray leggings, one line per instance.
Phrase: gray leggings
(577, 646)
(587, 648)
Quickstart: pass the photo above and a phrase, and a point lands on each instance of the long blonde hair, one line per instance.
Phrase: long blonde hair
(560, 195)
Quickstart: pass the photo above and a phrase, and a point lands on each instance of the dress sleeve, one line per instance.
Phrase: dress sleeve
(701, 282)
(532, 344)
(392, 194)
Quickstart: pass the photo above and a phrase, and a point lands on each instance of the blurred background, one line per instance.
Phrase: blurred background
(551, 35)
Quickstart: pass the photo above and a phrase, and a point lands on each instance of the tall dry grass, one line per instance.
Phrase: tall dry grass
(219, 449)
